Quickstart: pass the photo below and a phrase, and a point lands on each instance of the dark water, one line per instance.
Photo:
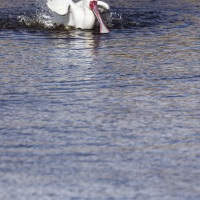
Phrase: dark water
(90, 116)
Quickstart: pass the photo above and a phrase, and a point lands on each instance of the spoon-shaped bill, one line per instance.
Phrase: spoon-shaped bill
(94, 8)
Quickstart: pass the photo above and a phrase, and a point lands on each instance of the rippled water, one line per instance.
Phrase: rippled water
(90, 116)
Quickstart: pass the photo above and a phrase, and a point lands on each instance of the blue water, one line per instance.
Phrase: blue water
(90, 116)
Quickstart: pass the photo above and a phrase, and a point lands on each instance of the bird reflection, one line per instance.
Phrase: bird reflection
(74, 48)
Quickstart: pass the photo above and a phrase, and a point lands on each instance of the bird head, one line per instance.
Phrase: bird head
(93, 6)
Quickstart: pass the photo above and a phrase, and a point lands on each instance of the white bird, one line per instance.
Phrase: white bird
(81, 14)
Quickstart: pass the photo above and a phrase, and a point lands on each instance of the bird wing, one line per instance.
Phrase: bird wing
(103, 6)
(60, 7)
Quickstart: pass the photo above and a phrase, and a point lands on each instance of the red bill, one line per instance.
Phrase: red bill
(94, 8)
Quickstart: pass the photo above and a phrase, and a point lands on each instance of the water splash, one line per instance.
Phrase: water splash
(39, 18)
(42, 17)
(37, 15)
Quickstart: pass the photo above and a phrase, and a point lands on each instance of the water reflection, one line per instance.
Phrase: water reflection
(74, 47)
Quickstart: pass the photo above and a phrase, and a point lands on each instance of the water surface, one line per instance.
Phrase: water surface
(90, 116)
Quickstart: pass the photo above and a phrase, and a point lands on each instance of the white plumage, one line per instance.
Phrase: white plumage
(80, 14)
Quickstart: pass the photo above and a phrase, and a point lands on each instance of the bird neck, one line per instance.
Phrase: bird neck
(86, 3)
